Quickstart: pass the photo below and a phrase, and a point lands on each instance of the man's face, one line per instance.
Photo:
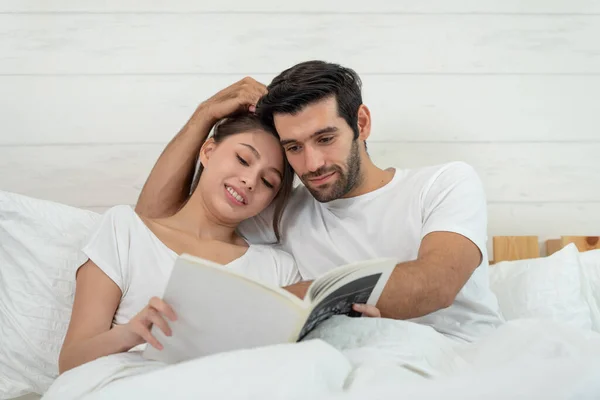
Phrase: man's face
(321, 148)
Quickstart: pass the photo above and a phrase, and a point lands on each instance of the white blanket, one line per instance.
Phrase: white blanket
(352, 358)
(40, 248)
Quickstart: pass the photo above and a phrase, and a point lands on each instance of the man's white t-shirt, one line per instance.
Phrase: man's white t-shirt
(391, 222)
(129, 253)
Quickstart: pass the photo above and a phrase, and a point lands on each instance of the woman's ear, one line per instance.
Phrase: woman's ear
(206, 150)
(364, 122)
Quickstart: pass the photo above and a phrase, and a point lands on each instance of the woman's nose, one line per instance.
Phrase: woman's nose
(249, 183)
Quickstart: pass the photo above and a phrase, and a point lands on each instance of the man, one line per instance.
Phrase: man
(433, 219)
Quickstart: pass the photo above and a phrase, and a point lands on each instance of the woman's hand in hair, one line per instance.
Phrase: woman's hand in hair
(240, 96)
(155, 313)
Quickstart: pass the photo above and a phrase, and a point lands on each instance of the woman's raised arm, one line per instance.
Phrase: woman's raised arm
(170, 180)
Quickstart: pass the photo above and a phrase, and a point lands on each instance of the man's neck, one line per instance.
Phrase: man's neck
(372, 178)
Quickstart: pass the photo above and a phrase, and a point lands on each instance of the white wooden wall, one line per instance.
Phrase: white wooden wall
(91, 91)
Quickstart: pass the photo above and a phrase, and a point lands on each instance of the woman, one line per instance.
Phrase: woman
(243, 170)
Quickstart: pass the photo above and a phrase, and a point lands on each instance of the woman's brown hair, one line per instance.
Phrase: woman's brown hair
(248, 122)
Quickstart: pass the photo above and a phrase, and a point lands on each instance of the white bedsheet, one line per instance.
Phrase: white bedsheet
(350, 358)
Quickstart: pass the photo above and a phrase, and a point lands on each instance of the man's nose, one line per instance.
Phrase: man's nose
(312, 159)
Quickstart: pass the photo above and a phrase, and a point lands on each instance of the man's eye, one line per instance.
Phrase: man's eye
(241, 160)
(326, 139)
(293, 149)
(268, 184)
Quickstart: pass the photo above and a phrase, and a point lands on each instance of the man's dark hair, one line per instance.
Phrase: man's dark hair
(309, 82)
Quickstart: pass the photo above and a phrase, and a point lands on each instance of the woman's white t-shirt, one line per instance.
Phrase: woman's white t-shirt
(131, 255)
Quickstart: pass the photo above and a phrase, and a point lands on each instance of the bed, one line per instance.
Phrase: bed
(550, 346)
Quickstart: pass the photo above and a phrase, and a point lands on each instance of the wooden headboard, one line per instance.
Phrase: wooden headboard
(510, 248)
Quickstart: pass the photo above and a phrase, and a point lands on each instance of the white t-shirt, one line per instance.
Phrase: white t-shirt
(129, 253)
(391, 222)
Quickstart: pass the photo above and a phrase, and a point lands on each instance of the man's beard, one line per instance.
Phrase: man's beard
(345, 182)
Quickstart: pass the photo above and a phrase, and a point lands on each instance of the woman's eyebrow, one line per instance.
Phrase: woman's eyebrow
(278, 172)
(256, 153)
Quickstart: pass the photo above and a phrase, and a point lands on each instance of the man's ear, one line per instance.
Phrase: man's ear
(206, 150)
(364, 122)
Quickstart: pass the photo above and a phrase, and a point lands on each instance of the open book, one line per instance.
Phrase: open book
(220, 310)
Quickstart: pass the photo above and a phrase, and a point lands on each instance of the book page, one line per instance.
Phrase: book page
(340, 276)
(340, 301)
(343, 274)
(219, 310)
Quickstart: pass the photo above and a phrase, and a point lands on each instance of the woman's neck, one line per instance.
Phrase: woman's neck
(196, 220)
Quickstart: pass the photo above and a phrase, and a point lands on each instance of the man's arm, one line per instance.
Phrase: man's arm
(170, 180)
(416, 288)
(454, 214)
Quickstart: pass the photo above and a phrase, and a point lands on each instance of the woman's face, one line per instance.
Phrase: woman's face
(242, 174)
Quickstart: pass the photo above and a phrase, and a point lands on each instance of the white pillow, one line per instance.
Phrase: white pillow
(590, 267)
(546, 287)
(40, 245)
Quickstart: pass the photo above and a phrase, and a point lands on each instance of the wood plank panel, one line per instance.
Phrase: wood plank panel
(113, 174)
(546, 220)
(503, 218)
(521, 172)
(78, 175)
(523, 218)
(531, 218)
(583, 243)
(510, 248)
(268, 43)
(422, 108)
(348, 6)
(552, 246)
